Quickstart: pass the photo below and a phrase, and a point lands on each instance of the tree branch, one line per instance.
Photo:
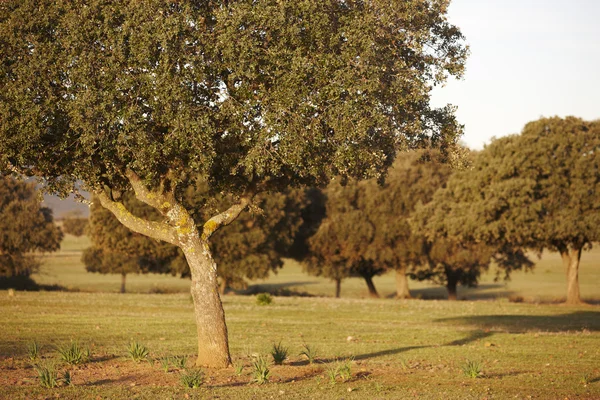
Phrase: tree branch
(163, 202)
(226, 217)
(156, 230)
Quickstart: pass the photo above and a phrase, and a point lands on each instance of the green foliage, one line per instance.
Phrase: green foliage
(265, 68)
(260, 370)
(279, 353)
(137, 351)
(193, 378)
(26, 227)
(310, 352)
(472, 369)
(75, 226)
(73, 353)
(47, 374)
(264, 299)
(33, 350)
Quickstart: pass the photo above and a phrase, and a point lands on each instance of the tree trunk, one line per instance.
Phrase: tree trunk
(402, 291)
(451, 286)
(571, 262)
(213, 344)
(338, 288)
(372, 291)
(123, 280)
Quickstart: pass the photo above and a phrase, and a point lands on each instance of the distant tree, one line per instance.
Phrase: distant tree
(243, 96)
(395, 246)
(366, 230)
(75, 226)
(25, 227)
(337, 250)
(537, 190)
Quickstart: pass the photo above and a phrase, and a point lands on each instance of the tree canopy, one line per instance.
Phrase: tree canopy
(157, 96)
(25, 227)
(537, 190)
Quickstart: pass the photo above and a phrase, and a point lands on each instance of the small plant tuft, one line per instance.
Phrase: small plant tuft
(309, 352)
(239, 368)
(137, 351)
(165, 362)
(179, 362)
(343, 369)
(193, 378)
(472, 369)
(261, 371)
(279, 353)
(47, 374)
(33, 350)
(74, 353)
(263, 299)
(66, 379)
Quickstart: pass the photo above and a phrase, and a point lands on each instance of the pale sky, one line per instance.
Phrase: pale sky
(529, 58)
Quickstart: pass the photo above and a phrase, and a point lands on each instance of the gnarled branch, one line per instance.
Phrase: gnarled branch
(153, 229)
(226, 217)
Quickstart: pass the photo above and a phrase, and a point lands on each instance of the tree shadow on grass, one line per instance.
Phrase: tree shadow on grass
(488, 291)
(278, 289)
(471, 337)
(575, 321)
(28, 284)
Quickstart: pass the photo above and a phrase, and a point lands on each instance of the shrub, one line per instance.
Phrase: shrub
(47, 374)
(263, 299)
(192, 378)
(309, 352)
(74, 353)
(279, 353)
(137, 351)
(472, 369)
(260, 370)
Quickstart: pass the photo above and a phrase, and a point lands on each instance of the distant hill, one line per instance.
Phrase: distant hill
(62, 208)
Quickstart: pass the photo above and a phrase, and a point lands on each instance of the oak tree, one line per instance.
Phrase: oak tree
(536, 190)
(245, 95)
(25, 228)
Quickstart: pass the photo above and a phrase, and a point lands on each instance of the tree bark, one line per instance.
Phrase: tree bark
(371, 286)
(338, 288)
(123, 280)
(571, 260)
(213, 343)
(402, 290)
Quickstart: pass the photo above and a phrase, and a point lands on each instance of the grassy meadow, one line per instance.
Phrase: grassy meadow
(394, 349)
